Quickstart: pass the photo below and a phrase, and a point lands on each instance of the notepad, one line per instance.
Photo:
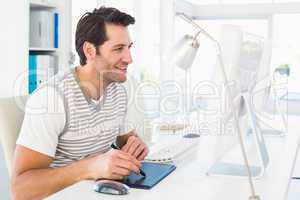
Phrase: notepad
(155, 172)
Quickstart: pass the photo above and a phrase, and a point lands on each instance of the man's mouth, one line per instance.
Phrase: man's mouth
(122, 69)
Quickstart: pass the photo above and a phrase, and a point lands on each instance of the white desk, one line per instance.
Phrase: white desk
(189, 181)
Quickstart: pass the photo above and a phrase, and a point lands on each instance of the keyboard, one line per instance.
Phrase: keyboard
(170, 151)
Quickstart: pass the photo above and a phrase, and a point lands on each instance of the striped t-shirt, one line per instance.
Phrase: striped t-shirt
(73, 126)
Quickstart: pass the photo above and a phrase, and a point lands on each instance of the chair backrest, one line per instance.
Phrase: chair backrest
(11, 118)
(136, 117)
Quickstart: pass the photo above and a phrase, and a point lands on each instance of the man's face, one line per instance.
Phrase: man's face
(115, 56)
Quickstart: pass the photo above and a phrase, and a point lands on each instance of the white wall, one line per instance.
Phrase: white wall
(13, 55)
(4, 181)
(14, 44)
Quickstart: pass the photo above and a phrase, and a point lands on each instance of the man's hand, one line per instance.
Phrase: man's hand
(136, 147)
(114, 164)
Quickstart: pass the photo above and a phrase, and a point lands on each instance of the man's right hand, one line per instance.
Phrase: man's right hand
(114, 164)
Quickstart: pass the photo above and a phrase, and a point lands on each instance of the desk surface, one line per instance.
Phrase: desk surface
(189, 180)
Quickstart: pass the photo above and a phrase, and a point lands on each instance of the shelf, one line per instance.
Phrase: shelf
(43, 49)
(41, 4)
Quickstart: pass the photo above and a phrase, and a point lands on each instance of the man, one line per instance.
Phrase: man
(71, 122)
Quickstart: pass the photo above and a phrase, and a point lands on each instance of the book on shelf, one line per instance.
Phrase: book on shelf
(41, 68)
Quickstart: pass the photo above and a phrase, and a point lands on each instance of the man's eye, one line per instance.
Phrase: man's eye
(119, 49)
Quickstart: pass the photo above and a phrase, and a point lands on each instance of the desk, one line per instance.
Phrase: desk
(189, 181)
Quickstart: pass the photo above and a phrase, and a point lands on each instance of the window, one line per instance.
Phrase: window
(268, 22)
(286, 49)
(207, 2)
(245, 1)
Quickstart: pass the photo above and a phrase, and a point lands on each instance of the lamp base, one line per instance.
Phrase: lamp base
(255, 197)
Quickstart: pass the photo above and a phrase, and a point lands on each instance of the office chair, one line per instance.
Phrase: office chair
(136, 116)
(11, 118)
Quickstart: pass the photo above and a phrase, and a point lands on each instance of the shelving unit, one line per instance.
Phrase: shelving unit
(15, 40)
(42, 4)
(49, 39)
(31, 49)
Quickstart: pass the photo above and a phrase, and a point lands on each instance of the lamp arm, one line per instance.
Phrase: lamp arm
(201, 30)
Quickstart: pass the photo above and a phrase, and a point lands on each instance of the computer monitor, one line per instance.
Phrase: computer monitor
(263, 91)
(241, 55)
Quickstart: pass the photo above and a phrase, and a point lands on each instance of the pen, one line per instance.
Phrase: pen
(116, 147)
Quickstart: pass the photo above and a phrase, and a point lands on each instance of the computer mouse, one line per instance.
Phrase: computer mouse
(111, 187)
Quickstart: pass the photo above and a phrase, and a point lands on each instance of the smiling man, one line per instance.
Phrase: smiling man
(71, 122)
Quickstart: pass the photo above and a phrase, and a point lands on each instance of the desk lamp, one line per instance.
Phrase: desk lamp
(183, 57)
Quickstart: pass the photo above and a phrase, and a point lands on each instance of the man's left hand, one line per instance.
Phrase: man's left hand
(136, 147)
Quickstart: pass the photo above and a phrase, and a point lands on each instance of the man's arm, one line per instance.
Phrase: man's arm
(33, 179)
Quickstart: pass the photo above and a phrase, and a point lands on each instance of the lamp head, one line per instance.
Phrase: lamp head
(184, 52)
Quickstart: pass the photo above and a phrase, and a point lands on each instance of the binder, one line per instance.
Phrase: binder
(56, 30)
(42, 28)
(155, 172)
(32, 73)
(41, 68)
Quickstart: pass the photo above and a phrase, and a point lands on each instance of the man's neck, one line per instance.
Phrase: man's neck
(91, 81)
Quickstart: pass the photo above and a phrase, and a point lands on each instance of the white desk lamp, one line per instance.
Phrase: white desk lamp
(184, 56)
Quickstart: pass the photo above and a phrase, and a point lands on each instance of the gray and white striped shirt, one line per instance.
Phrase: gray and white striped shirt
(84, 127)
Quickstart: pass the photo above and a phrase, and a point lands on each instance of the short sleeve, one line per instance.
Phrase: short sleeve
(43, 122)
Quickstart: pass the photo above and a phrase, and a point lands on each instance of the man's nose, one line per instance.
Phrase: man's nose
(127, 57)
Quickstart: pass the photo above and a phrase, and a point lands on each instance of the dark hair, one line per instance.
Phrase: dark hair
(91, 27)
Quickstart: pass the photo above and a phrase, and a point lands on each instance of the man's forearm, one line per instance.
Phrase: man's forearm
(39, 183)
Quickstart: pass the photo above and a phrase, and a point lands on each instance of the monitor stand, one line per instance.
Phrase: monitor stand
(240, 170)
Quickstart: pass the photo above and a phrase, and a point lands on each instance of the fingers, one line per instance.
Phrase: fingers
(132, 144)
(128, 157)
(128, 144)
(127, 165)
(116, 177)
(143, 155)
(139, 150)
(123, 165)
(114, 164)
(118, 170)
(136, 147)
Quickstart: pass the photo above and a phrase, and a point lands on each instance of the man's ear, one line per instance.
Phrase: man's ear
(89, 50)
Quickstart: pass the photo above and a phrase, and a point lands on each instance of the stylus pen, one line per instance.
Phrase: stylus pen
(116, 147)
